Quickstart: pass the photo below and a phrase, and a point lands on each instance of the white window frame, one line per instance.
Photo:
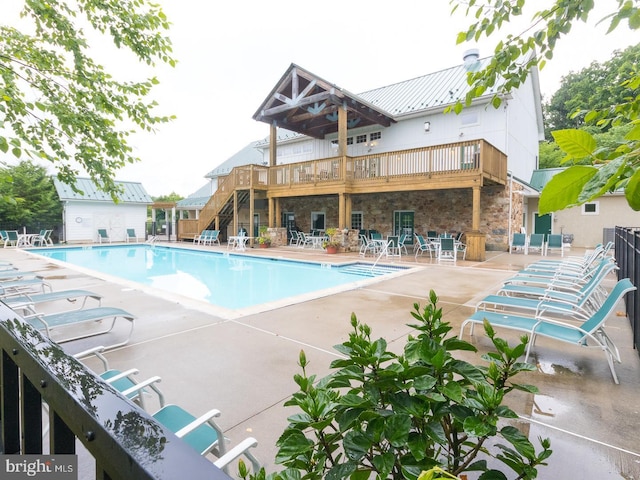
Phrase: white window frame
(595, 204)
(324, 220)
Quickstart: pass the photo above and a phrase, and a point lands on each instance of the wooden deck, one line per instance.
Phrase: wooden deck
(457, 165)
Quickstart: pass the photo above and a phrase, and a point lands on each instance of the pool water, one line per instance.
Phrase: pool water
(227, 280)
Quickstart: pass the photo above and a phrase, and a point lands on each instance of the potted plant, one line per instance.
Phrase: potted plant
(263, 240)
(331, 245)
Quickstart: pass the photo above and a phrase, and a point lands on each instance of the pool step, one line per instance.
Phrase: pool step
(364, 269)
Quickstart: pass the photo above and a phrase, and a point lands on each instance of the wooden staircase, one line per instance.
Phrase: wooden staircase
(219, 209)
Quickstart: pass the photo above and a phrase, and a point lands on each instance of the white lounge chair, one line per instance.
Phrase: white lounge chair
(55, 321)
(589, 333)
(103, 235)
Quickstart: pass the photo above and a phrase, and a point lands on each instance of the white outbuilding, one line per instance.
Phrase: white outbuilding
(89, 209)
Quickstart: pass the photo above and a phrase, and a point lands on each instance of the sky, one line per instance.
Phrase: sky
(231, 54)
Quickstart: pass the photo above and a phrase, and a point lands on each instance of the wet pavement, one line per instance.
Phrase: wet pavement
(244, 365)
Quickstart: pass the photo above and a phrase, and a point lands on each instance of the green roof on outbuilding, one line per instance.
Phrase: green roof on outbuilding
(133, 192)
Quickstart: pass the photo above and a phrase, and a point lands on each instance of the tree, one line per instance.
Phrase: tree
(58, 104)
(513, 60)
(593, 88)
(30, 198)
(383, 415)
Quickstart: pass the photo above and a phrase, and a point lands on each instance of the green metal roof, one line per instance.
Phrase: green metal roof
(133, 192)
(539, 178)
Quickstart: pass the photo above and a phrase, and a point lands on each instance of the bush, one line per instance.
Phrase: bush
(382, 415)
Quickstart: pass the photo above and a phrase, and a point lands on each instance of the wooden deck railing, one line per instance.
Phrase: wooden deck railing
(474, 157)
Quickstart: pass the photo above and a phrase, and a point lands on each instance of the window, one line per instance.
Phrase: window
(356, 220)
(592, 208)
(361, 139)
(468, 119)
(375, 136)
(349, 140)
(317, 221)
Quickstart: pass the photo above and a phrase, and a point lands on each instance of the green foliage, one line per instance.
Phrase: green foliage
(593, 88)
(616, 105)
(172, 197)
(58, 104)
(28, 197)
(424, 412)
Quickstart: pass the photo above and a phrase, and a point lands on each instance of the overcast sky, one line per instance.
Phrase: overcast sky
(231, 54)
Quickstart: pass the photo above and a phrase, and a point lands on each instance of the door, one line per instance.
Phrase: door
(542, 224)
(403, 224)
(289, 222)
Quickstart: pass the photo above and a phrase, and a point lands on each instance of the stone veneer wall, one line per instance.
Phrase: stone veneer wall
(440, 210)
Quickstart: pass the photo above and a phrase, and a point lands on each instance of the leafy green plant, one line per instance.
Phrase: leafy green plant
(263, 239)
(425, 412)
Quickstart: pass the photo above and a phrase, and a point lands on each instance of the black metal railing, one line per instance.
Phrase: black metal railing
(125, 441)
(627, 245)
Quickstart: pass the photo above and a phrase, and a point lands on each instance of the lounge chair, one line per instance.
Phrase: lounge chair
(368, 246)
(554, 242)
(590, 333)
(12, 238)
(10, 275)
(518, 243)
(124, 381)
(404, 238)
(569, 291)
(103, 236)
(20, 287)
(54, 321)
(28, 302)
(393, 248)
(447, 250)
(423, 245)
(294, 239)
(536, 243)
(212, 237)
(562, 276)
(131, 235)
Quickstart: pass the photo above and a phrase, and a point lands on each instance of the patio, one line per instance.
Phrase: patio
(244, 367)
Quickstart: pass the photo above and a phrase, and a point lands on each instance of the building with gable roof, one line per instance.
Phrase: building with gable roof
(88, 209)
(388, 160)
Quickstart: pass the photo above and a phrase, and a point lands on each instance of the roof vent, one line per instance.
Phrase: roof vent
(471, 59)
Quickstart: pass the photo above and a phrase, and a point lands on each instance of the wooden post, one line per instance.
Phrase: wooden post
(273, 221)
(273, 144)
(347, 211)
(252, 233)
(341, 211)
(235, 213)
(475, 239)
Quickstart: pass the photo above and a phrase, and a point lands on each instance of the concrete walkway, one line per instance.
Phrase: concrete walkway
(244, 366)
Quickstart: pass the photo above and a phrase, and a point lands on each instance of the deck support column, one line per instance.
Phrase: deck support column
(277, 214)
(475, 238)
(341, 211)
(347, 211)
(273, 144)
(235, 213)
(273, 222)
(252, 233)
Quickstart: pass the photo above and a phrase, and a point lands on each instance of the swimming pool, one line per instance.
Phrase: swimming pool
(230, 281)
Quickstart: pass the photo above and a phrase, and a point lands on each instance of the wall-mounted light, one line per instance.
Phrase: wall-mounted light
(427, 126)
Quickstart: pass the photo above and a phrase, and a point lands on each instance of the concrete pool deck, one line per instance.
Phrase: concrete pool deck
(244, 366)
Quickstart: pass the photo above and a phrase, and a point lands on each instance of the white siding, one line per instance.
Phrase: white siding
(83, 219)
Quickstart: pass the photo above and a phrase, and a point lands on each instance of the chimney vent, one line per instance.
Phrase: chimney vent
(471, 59)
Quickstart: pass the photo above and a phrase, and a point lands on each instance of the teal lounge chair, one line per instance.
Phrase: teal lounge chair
(55, 321)
(589, 333)
(103, 236)
(131, 235)
(27, 302)
(518, 243)
(11, 238)
(536, 243)
(554, 242)
(423, 245)
(213, 237)
(20, 287)
(124, 381)
(447, 250)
